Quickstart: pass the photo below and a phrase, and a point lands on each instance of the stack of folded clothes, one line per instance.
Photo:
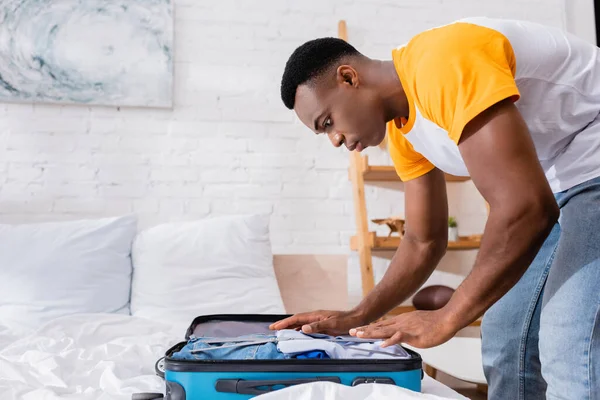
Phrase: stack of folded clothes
(286, 344)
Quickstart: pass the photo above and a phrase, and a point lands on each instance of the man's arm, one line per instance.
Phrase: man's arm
(417, 256)
(424, 244)
(501, 158)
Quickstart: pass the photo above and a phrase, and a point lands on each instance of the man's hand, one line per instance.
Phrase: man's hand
(421, 329)
(328, 322)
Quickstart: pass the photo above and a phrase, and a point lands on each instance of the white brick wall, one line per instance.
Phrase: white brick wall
(229, 145)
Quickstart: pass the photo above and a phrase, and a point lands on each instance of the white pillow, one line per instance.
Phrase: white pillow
(50, 270)
(212, 266)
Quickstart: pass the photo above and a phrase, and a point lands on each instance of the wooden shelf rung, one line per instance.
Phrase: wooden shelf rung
(385, 173)
(392, 242)
(400, 310)
(404, 309)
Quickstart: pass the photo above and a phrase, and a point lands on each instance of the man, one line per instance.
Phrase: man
(515, 106)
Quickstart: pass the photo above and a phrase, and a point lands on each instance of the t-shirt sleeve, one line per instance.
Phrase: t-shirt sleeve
(409, 163)
(458, 71)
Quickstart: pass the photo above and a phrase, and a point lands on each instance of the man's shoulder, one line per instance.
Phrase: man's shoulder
(445, 42)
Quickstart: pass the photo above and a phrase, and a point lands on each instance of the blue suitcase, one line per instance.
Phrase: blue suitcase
(245, 379)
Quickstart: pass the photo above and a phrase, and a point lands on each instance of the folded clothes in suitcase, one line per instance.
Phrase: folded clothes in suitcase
(202, 378)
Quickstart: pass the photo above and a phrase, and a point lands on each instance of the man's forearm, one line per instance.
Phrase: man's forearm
(510, 243)
(410, 267)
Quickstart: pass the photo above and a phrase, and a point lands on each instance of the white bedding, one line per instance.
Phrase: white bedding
(109, 356)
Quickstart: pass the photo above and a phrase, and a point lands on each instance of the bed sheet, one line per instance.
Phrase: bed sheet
(7, 336)
(431, 390)
(85, 357)
(110, 357)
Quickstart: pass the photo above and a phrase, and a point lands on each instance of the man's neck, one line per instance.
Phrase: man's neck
(387, 82)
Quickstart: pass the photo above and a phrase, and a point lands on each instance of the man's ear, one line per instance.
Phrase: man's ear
(346, 75)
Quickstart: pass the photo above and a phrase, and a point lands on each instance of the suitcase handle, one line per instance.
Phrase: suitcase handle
(242, 386)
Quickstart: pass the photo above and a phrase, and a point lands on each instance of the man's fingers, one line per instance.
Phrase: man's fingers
(376, 325)
(395, 339)
(371, 332)
(295, 321)
(290, 322)
(316, 327)
(319, 327)
(284, 323)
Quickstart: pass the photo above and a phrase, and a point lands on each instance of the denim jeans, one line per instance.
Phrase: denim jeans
(197, 349)
(542, 339)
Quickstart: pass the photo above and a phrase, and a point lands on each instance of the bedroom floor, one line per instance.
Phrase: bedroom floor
(468, 390)
(472, 394)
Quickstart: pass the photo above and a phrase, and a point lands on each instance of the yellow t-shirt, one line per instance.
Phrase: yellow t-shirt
(450, 74)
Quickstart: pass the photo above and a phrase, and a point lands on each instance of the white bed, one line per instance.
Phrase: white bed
(65, 328)
(110, 356)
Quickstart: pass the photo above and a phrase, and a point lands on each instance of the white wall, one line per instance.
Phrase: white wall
(580, 20)
(229, 145)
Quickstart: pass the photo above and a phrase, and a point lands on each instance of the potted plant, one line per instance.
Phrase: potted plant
(452, 230)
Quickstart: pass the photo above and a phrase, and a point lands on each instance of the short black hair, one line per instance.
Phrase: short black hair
(310, 60)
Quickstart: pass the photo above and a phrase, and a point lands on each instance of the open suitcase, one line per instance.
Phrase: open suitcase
(244, 379)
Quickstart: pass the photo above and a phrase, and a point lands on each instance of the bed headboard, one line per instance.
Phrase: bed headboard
(312, 282)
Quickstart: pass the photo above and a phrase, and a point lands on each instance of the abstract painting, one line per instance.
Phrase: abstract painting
(105, 52)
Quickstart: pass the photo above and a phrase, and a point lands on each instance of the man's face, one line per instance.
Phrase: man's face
(349, 114)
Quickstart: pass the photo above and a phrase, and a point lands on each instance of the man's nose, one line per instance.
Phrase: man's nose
(336, 139)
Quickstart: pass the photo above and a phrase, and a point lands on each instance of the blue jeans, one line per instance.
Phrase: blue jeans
(542, 339)
(230, 350)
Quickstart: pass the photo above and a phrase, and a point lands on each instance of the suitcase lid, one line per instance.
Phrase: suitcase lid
(230, 325)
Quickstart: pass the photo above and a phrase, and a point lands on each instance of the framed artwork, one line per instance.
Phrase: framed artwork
(92, 52)
(597, 20)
